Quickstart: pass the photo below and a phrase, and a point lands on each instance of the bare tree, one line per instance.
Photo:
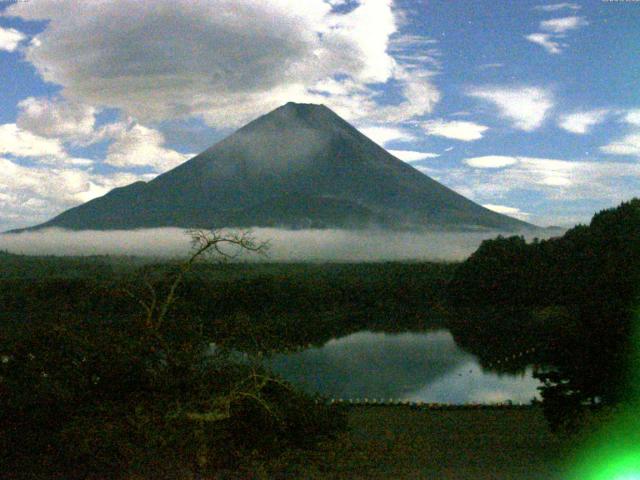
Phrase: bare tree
(206, 244)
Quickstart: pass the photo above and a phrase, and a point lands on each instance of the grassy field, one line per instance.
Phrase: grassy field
(462, 444)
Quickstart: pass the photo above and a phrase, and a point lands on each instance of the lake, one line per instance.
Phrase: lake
(419, 367)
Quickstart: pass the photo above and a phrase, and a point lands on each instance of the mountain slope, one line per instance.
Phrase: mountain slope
(298, 166)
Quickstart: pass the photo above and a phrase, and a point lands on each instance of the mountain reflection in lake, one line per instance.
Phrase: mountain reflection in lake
(422, 367)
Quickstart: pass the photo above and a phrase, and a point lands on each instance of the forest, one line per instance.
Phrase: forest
(104, 370)
(574, 298)
(106, 364)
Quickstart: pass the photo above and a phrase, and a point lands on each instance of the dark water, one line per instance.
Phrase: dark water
(423, 367)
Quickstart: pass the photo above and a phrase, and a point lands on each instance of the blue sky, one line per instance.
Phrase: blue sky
(527, 107)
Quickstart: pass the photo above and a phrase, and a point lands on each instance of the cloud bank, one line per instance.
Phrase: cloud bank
(33, 194)
(495, 175)
(56, 118)
(284, 245)
(226, 60)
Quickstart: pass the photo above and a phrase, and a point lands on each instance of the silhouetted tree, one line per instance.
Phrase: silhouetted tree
(571, 297)
(146, 396)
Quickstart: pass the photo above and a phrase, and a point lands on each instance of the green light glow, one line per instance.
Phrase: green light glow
(613, 453)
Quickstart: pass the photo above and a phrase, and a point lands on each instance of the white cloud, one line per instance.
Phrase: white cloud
(367, 30)
(30, 195)
(556, 29)
(10, 38)
(554, 7)
(458, 130)
(21, 143)
(412, 156)
(581, 122)
(545, 40)
(419, 93)
(505, 210)
(132, 144)
(627, 145)
(43, 124)
(226, 61)
(633, 117)
(486, 66)
(526, 107)
(56, 118)
(556, 179)
(415, 50)
(384, 135)
(490, 161)
(563, 24)
(136, 145)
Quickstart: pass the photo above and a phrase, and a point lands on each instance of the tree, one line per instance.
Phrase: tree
(571, 297)
(600, 271)
(146, 395)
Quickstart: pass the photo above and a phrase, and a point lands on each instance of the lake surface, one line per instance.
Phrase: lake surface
(420, 367)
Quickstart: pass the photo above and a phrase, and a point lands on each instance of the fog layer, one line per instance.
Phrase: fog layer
(284, 245)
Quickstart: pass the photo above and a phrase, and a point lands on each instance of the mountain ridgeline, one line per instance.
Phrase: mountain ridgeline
(299, 166)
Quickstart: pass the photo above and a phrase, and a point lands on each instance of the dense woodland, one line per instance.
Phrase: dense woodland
(92, 383)
(96, 376)
(281, 305)
(573, 298)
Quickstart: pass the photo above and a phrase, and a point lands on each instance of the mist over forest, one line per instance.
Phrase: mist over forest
(284, 245)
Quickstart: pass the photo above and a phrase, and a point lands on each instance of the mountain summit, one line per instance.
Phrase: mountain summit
(298, 166)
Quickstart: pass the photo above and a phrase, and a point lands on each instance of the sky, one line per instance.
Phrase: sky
(529, 108)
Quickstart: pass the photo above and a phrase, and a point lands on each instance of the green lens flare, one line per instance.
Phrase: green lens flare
(613, 453)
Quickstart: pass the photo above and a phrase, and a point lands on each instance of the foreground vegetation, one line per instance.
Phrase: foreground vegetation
(273, 305)
(107, 365)
(574, 299)
(143, 395)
